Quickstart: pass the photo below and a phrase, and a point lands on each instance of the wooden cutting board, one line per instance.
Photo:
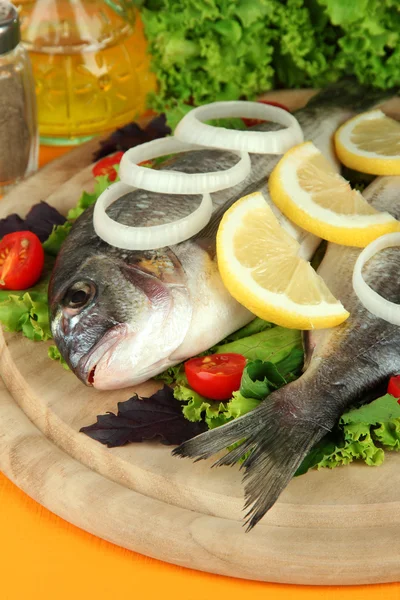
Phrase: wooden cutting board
(328, 527)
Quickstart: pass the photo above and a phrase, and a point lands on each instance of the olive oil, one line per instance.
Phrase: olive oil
(90, 66)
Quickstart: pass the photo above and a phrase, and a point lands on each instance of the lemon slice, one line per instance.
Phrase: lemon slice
(259, 265)
(307, 189)
(370, 143)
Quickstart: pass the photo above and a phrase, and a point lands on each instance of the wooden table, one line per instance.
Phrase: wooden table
(44, 557)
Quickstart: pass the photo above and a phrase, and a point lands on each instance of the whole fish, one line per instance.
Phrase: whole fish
(343, 364)
(119, 317)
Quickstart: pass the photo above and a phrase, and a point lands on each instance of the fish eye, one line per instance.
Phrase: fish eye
(79, 295)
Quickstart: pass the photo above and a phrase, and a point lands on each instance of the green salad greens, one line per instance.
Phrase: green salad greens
(27, 311)
(362, 434)
(275, 358)
(223, 50)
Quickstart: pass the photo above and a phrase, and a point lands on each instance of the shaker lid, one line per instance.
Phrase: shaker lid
(9, 27)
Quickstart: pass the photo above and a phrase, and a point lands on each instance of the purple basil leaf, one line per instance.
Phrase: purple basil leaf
(11, 224)
(144, 419)
(40, 220)
(132, 135)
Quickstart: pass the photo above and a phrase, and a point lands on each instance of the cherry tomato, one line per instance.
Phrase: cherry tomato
(21, 260)
(251, 122)
(394, 387)
(215, 376)
(106, 165)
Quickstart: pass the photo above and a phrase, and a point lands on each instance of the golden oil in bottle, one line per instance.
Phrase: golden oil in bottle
(90, 66)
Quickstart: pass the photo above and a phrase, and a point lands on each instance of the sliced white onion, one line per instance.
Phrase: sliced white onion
(191, 129)
(376, 304)
(145, 238)
(176, 182)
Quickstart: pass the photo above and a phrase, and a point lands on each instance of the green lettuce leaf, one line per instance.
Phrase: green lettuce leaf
(362, 434)
(383, 409)
(239, 406)
(54, 354)
(271, 345)
(260, 379)
(172, 374)
(213, 412)
(102, 182)
(26, 312)
(255, 326)
(290, 367)
(60, 232)
(57, 237)
(223, 50)
(198, 408)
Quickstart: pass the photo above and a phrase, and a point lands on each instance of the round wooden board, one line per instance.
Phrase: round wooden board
(328, 527)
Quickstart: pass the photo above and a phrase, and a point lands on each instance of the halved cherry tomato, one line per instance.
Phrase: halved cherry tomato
(394, 386)
(21, 260)
(216, 376)
(251, 122)
(106, 165)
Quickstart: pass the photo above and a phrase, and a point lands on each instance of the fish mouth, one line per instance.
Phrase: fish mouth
(87, 365)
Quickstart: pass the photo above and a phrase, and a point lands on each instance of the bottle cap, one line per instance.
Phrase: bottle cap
(10, 35)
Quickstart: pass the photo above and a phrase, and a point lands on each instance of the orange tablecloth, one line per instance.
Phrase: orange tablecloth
(46, 558)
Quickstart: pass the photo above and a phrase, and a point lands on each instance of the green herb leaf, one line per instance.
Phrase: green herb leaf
(239, 406)
(198, 408)
(57, 237)
(255, 326)
(84, 202)
(54, 354)
(26, 312)
(259, 379)
(271, 345)
(382, 410)
(362, 434)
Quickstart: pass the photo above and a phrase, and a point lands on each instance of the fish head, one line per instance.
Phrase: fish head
(118, 317)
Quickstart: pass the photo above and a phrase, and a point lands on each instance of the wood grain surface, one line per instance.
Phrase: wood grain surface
(142, 498)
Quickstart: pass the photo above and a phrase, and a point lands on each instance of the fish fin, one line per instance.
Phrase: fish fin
(273, 444)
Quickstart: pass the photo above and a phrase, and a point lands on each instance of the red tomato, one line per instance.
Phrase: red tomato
(251, 122)
(106, 165)
(21, 260)
(215, 376)
(394, 386)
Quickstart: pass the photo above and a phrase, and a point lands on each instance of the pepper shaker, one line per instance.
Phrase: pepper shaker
(18, 118)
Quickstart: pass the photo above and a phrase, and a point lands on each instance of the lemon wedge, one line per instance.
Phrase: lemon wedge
(259, 265)
(370, 143)
(307, 189)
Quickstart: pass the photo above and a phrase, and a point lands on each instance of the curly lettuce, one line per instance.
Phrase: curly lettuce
(275, 357)
(362, 434)
(222, 50)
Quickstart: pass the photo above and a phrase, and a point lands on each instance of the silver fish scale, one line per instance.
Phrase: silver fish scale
(364, 343)
(144, 209)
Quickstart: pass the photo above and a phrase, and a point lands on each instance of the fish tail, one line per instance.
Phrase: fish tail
(349, 93)
(273, 442)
